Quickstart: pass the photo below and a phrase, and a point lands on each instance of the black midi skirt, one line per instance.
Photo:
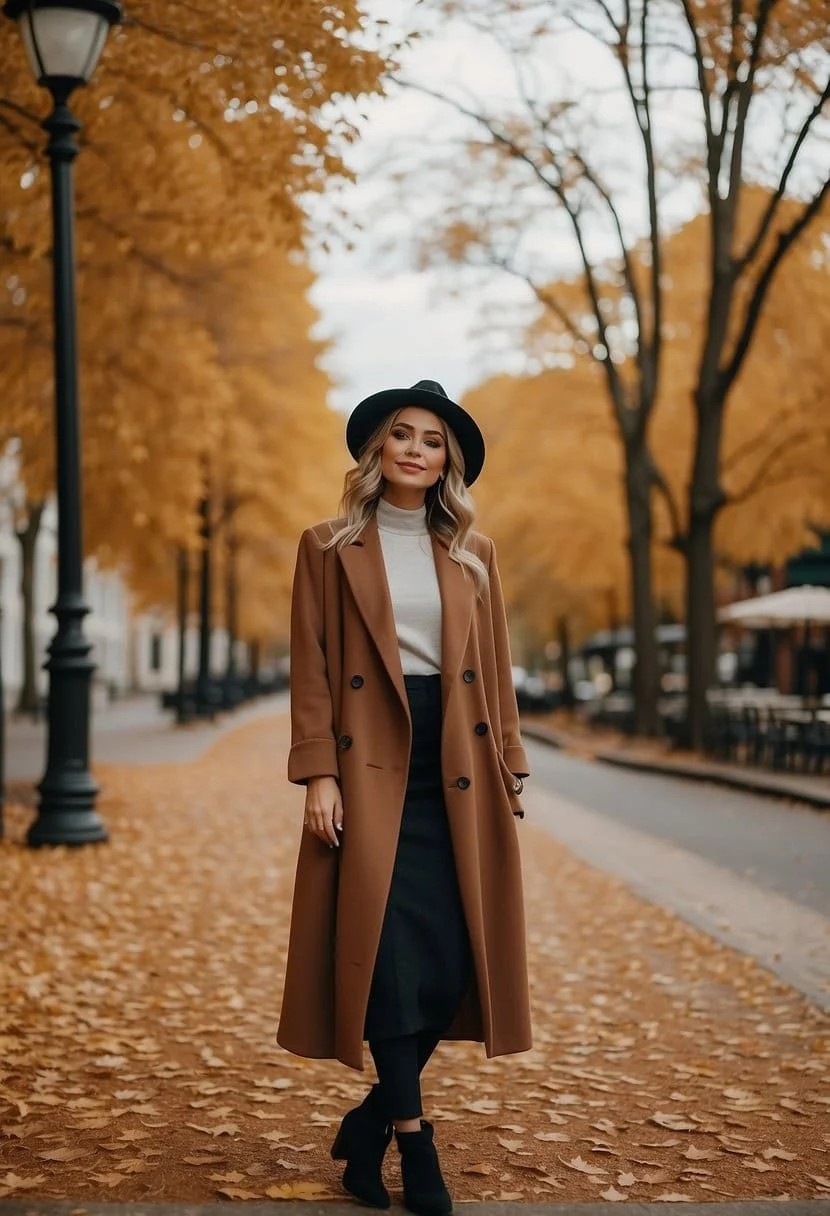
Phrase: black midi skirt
(423, 965)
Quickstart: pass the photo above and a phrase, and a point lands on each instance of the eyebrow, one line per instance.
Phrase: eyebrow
(410, 427)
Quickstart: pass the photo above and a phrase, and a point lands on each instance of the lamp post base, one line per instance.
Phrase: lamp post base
(67, 813)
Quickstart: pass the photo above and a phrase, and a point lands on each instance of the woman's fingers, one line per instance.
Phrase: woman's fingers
(329, 834)
(321, 821)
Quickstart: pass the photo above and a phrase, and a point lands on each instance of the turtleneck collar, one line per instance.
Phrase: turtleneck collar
(412, 521)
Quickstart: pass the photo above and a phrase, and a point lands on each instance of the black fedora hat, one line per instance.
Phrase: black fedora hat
(368, 414)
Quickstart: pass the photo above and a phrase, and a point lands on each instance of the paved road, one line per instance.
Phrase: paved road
(781, 847)
(750, 871)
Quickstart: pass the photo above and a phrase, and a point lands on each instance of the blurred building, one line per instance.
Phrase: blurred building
(132, 652)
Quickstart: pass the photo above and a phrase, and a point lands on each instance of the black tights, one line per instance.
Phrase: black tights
(399, 1063)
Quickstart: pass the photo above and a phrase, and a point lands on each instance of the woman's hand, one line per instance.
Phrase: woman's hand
(324, 809)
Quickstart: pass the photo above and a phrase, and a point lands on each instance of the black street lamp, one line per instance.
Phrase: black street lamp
(63, 41)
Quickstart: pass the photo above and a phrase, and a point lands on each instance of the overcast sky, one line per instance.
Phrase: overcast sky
(392, 325)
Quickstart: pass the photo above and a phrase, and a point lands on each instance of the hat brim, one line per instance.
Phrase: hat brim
(368, 414)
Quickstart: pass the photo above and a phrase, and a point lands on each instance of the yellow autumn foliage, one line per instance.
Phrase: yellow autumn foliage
(553, 492)
(203, 129)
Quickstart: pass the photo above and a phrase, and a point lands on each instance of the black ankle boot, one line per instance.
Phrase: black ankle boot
(361, 1142)
(424, 1189)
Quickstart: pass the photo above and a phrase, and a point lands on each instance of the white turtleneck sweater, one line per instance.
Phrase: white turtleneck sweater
(413, 586)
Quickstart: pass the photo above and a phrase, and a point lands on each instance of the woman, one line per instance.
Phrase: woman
(407, 923)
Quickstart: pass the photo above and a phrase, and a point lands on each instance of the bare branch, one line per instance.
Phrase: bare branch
(745, 92)
(772, 206)
(796, 474)
(586, 29)
(785, 241)
(615, 385)
(650, 363)
(660, 483)
(759, 440)
(545, 298)
(172, 36)
(706, 102)
(628, 271)
(603, 7)
(16, 108)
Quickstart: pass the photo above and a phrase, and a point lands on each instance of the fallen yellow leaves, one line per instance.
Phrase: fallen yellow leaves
(109, 1180)
(675, 1123)
(140, 1027)
(221, 1129)
(63, 1154)
(576, 1163)
(613, 1195)
(12, 1182)
(313, 1191)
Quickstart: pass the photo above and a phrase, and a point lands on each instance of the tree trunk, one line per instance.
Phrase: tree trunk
(705, 501)
(254, 654)
(28, 701)
(564, 637)
(231, 607)
(203, 692)
(638, 501)
(182, 581)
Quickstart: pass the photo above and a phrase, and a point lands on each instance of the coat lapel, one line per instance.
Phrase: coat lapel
(365, 571)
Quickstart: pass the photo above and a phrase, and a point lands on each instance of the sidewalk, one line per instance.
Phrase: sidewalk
(139, 992)
(610, 748)
(133, 730)
(808, 1207)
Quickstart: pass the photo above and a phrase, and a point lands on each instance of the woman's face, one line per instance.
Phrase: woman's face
(415, 451)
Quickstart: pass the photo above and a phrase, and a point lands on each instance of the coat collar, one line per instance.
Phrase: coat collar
(365, 570)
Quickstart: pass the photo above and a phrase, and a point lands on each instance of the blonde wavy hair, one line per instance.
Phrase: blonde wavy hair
(450, 510)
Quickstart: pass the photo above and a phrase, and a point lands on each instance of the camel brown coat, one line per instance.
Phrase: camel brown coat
(350, 718)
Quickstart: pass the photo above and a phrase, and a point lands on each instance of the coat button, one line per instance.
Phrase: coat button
(481, 728)
(463, 783)
(357, 681)
(469, 676)
(345, 741)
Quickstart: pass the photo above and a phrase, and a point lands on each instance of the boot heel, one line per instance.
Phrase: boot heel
(361, 1141)
(424, 1189)
(338, 1149)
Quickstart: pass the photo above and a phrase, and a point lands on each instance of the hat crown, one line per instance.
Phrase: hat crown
(431, 386)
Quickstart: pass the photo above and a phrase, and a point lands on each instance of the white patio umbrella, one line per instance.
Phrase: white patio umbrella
(780, 609)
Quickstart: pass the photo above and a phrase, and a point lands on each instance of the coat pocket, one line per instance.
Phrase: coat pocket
(509, 782)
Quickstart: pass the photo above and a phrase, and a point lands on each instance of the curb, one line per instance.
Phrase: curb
(748, 781)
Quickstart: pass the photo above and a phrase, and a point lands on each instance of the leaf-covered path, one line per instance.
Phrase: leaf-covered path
(139, 992)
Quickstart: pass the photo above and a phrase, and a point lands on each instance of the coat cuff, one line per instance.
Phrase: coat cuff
(516, 760)
(312, 758)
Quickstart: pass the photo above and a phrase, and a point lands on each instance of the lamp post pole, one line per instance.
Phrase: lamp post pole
(53, 32)
(66, 809)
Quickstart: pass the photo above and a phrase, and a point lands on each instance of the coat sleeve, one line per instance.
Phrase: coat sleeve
(514, 752)
(313, 749)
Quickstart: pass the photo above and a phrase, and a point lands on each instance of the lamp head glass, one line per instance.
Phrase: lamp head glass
(63, 39)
